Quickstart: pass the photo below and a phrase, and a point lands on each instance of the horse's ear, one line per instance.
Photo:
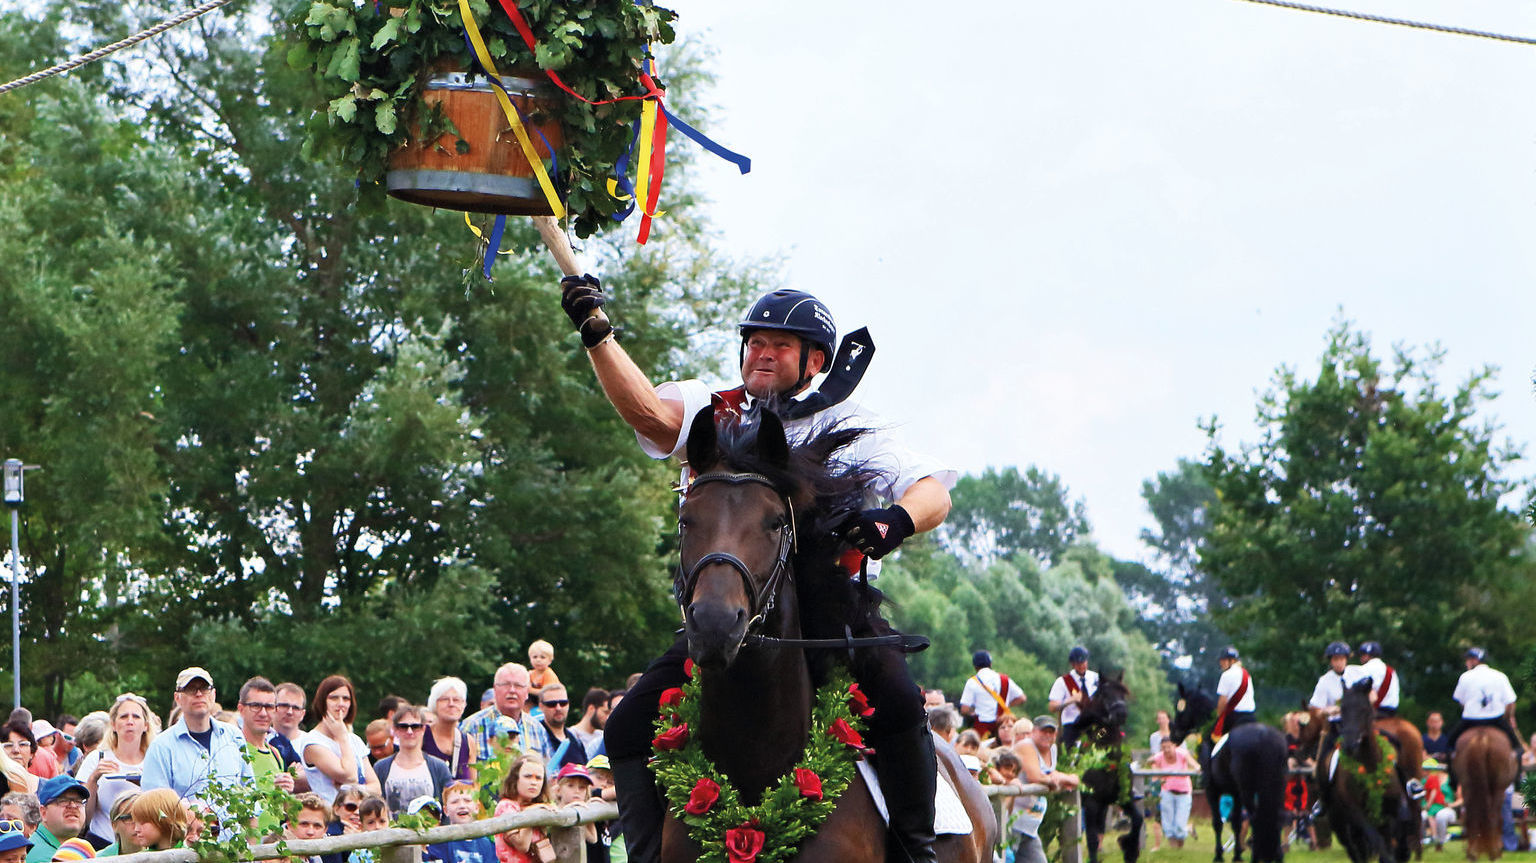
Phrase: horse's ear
(772, 443)
(1120, 676)
(1181, 690)
(703, 441)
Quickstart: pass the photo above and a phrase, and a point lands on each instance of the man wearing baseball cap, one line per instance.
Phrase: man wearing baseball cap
(63, 800)
(198, 749)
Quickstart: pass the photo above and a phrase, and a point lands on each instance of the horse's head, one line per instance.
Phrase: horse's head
(736, 533)
(1191, 711)
(1109, 707)
(1357, 717)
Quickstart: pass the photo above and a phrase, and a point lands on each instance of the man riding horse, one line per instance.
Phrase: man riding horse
(787, 339)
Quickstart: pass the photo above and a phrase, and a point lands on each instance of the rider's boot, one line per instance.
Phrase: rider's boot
(909, 774)
(641, 810)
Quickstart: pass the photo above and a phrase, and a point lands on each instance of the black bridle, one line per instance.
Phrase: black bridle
(760, 603)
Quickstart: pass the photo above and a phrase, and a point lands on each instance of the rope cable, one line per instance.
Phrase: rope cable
(99, 53)
(1400, 22)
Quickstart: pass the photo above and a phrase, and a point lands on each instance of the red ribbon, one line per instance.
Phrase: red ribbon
(523, 30)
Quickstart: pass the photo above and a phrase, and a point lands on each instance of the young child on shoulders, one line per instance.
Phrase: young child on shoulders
(540, 654)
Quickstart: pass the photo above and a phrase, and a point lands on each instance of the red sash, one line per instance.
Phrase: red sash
(1242, 689)
(1071, 682)
(1386, 682)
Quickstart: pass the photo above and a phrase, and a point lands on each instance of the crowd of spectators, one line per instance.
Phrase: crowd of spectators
(123, 779)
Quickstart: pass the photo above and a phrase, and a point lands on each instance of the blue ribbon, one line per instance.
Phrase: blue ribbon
(493, 245)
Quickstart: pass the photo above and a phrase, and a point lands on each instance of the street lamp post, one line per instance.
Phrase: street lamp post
(15, 496)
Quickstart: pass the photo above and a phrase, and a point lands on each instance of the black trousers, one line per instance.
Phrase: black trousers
(1500, 722)
(880, 671)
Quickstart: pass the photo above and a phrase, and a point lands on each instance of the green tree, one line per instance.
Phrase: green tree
(297, 429)
(1003, 514)
(1369, 508)
(1173, 597)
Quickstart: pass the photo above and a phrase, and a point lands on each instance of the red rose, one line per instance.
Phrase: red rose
(688, 667)
(743, 843)
(858, 703)
(672, 697)
(705, 793)
(808, 783)
(673, 738)
(845, 734)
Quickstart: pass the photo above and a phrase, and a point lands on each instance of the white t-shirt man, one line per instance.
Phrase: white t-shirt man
(977, 698)
(1330, 687)
(1376, 669)
(1088, 682)
(897, 465)
(1228, 685)
(1483, 693)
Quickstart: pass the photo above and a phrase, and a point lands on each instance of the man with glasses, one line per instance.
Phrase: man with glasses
(505, 717)
(258, 704)
(63, 800)
(555, 703)
(197, 749)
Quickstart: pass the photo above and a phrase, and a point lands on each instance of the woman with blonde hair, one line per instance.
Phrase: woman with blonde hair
(113, 769)
(526, 785)
(121, 814)
(159, 820)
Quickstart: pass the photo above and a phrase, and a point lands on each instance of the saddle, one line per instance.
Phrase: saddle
(949, 815)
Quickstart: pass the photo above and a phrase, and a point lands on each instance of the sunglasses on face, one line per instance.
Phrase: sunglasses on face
(561, 703)
(350, 806)
(410, 726)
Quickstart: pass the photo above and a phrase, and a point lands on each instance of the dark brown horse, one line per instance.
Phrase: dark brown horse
(1250, 767)
(1368, 803)
(1484, 765)
(1102, 724)
(751, 549)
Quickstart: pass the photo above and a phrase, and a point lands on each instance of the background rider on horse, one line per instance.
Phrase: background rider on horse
(787, 341)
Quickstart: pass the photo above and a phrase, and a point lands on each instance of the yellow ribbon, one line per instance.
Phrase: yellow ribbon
(473, 31)
(643, 159)
(475, 229)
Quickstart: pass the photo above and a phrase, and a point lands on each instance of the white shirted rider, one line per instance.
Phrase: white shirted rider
(1070, 692)
(1235, 704)
(1385, 698)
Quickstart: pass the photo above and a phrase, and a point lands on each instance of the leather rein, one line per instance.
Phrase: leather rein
(760, 603)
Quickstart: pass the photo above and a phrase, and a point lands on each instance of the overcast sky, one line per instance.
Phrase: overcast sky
(1076, 228)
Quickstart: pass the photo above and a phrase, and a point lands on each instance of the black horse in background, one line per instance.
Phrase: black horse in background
(1372, 823)
(1101, 726)
(1250, 766)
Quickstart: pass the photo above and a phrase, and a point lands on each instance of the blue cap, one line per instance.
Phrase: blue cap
(1078, 654)
(981, 659)
(10, 840)
(50, 789)
(1228, 652)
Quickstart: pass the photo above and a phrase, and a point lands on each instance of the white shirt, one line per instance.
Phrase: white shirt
(1089, 683)
(984, 704)
(1483, 693)
(1377, 670)
(318, 781)
(1230, 679)
(897, 465)
(1330, 687)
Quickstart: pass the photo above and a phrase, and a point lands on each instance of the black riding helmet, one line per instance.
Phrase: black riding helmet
(1336, 648)
(796, 312)
(1370, 648)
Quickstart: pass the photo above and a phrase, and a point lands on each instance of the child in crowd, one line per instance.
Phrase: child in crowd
(159, 820)
(373, 813)
(540, 654)
(461, 807)
(1004, 767)
(310, 823)
(573, 787)
(525, 786)
(121, 814)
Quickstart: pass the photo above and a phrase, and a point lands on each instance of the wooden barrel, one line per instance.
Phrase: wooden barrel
(492, 176)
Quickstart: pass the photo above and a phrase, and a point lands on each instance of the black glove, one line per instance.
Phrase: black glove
(582, 298)
(877, 532)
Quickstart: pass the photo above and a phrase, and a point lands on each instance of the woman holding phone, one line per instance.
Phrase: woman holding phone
(113, 769)
(333, 755)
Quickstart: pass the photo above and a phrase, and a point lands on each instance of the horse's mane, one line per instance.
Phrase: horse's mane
(824, 482)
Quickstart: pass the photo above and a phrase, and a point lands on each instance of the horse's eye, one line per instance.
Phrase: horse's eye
(683, 524)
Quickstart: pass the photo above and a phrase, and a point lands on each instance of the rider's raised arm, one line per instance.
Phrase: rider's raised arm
(630, 392)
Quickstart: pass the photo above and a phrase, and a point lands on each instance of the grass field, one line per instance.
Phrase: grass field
(1201, 850)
